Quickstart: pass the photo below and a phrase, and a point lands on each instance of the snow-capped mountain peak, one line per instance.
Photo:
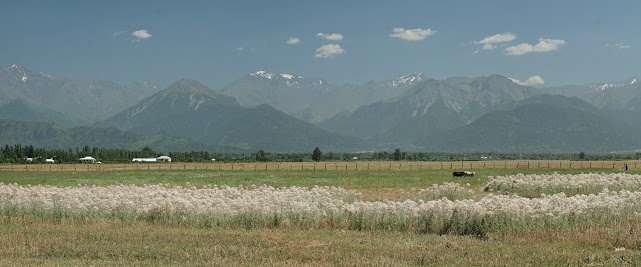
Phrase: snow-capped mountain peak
(406, 80)
(271, 76)
(289, 76)
(263, 74)
(18, 72)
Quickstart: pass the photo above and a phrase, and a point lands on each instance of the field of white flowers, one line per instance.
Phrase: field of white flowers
(590, 183)
(447, 208)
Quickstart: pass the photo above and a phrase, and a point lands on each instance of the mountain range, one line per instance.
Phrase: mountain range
(188, 108)
(290, 113)
(542, 124)
(428, 108)
(78, 102)
(313, 99)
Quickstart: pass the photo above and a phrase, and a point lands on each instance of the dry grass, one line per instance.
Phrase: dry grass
(29, 241)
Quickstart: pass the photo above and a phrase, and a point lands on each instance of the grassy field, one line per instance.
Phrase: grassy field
(60, 241)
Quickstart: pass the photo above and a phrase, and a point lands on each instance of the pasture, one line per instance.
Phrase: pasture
(203, 216)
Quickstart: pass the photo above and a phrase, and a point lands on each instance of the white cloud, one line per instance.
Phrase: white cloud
(293, 41)
(417, 34)
(488, 42)
(329, 51)
(618, 45)
(532, 81)
(331, 37)
(141, 34)
(544, 45)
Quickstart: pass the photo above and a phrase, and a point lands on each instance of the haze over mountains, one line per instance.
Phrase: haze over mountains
(190, 109)
(66, 101)
(287, 112)
(311, 99)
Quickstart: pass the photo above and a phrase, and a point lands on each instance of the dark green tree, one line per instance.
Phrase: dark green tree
(397, 154)
(316, 155)
(260, 155)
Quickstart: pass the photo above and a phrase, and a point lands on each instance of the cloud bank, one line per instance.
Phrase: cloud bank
(141, 34)
(544, 45)
(488, 42)
(417, 34)
(331, 37)
(329, 51)
(293, 41)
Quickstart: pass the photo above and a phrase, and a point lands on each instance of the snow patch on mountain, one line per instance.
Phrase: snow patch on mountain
(46, 75)
(609, 85)
(263, 74)
(405, 81)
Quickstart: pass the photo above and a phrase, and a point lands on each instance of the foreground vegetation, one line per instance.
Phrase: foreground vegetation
(410, 217)
(32, 241)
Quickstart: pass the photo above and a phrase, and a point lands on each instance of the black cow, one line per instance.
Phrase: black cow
(461, 174)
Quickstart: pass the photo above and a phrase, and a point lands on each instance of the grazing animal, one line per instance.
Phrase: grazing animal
(461, 174)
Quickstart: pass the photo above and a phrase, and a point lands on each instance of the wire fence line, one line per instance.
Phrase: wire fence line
(320, 166)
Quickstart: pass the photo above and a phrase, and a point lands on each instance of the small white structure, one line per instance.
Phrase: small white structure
(50, 161)
(88, 159)
(29, 159)
(144, 160)
(152, 160)
(355, 158)
(213, 160)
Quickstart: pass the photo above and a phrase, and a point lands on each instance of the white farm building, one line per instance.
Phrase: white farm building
(152, 160)
(88, 159)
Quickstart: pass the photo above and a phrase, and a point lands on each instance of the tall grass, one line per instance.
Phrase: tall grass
(313, 208)
(536, 184)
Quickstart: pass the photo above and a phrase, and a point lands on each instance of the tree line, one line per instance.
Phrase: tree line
(20, 153)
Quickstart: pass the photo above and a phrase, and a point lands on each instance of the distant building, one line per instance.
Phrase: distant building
(144, 160)
(213, 160)
(355, 158)
(29, 159)
(88, 159)
(50, 161)
(152, 160)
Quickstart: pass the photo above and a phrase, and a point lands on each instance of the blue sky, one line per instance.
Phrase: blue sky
(216, 42)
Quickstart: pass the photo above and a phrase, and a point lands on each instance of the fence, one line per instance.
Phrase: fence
(374, 165)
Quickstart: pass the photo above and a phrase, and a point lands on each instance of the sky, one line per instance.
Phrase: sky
(539, 43)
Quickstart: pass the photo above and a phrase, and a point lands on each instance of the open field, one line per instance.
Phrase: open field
(372, 222)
